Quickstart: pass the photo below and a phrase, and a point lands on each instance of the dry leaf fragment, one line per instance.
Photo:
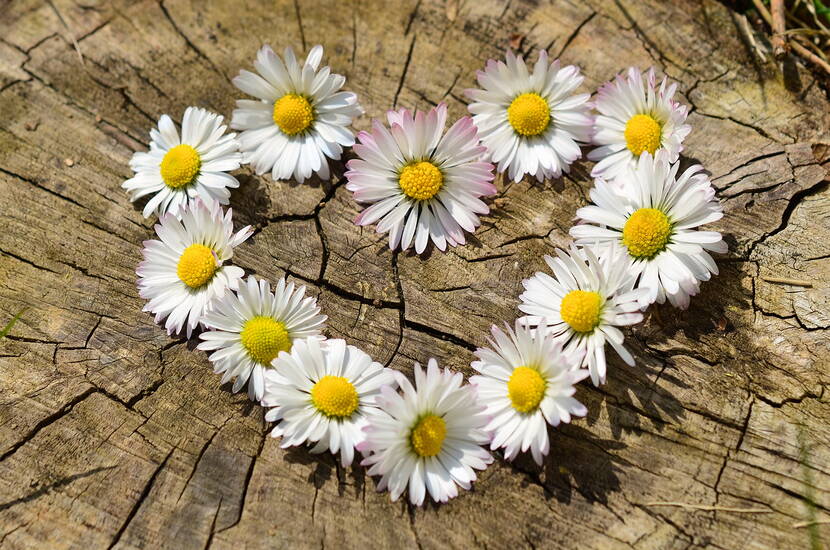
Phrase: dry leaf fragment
(516, 40)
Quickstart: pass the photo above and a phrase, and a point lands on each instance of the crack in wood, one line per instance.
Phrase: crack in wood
(682, 401)
(404, 71)
(145, 492)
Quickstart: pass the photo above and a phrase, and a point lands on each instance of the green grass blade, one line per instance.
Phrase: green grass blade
(11, 323)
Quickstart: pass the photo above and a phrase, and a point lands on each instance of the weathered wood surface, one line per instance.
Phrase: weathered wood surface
(111, 433)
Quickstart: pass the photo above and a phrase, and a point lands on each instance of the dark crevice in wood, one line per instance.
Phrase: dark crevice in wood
(145, 492)
(411, 18)
(404, 71)
(196, 462)
(29, 262)
(248, 476)
(47, 421)
(343, 293)
(647, 43)
(199, 53)
(792, 204)
(52, 486)
(300, 25)
(435, 333)
(212, 530)
(80, 107)
(729, 452)
(40, 186)
(401, 310)
(760, 131)
(748, 163)
(573, 35)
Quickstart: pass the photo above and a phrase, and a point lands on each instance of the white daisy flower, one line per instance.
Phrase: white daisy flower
(252, 326)
(424, 184)
(429, 438)
(323, 392)
(584, 303)
(532, 123)
(185, 271)
(526, 383)
(299, 120)
(635, 117)
(176, 170)
(655, 215)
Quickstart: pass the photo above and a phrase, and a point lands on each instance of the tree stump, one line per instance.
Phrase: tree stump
(112, 434)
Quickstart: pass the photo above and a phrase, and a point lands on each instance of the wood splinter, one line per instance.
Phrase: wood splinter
(796, 43)
(780, 46)
(802, 524)
(708, 508)
(785, 281)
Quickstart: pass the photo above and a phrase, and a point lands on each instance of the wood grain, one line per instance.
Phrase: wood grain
(114, 435)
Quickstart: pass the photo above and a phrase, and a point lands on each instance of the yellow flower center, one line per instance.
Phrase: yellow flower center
(646, 233)
(642, 133)
(264, 338)
(180, 166)
(293, 114)
(581, 309)
(526, 388)
(529, 114)
(428, 435)
(197, 265)
(334, 396)
(421, 180)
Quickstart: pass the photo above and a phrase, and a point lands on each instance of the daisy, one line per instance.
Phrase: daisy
(323, 392)
(531, 122)
(184, 271)
(635, 117)
(584, 303)
(655, 215)
(177, 170)
(423, 183)
(526, 382)
(252, 326)
(299, 120)
(429, 438)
